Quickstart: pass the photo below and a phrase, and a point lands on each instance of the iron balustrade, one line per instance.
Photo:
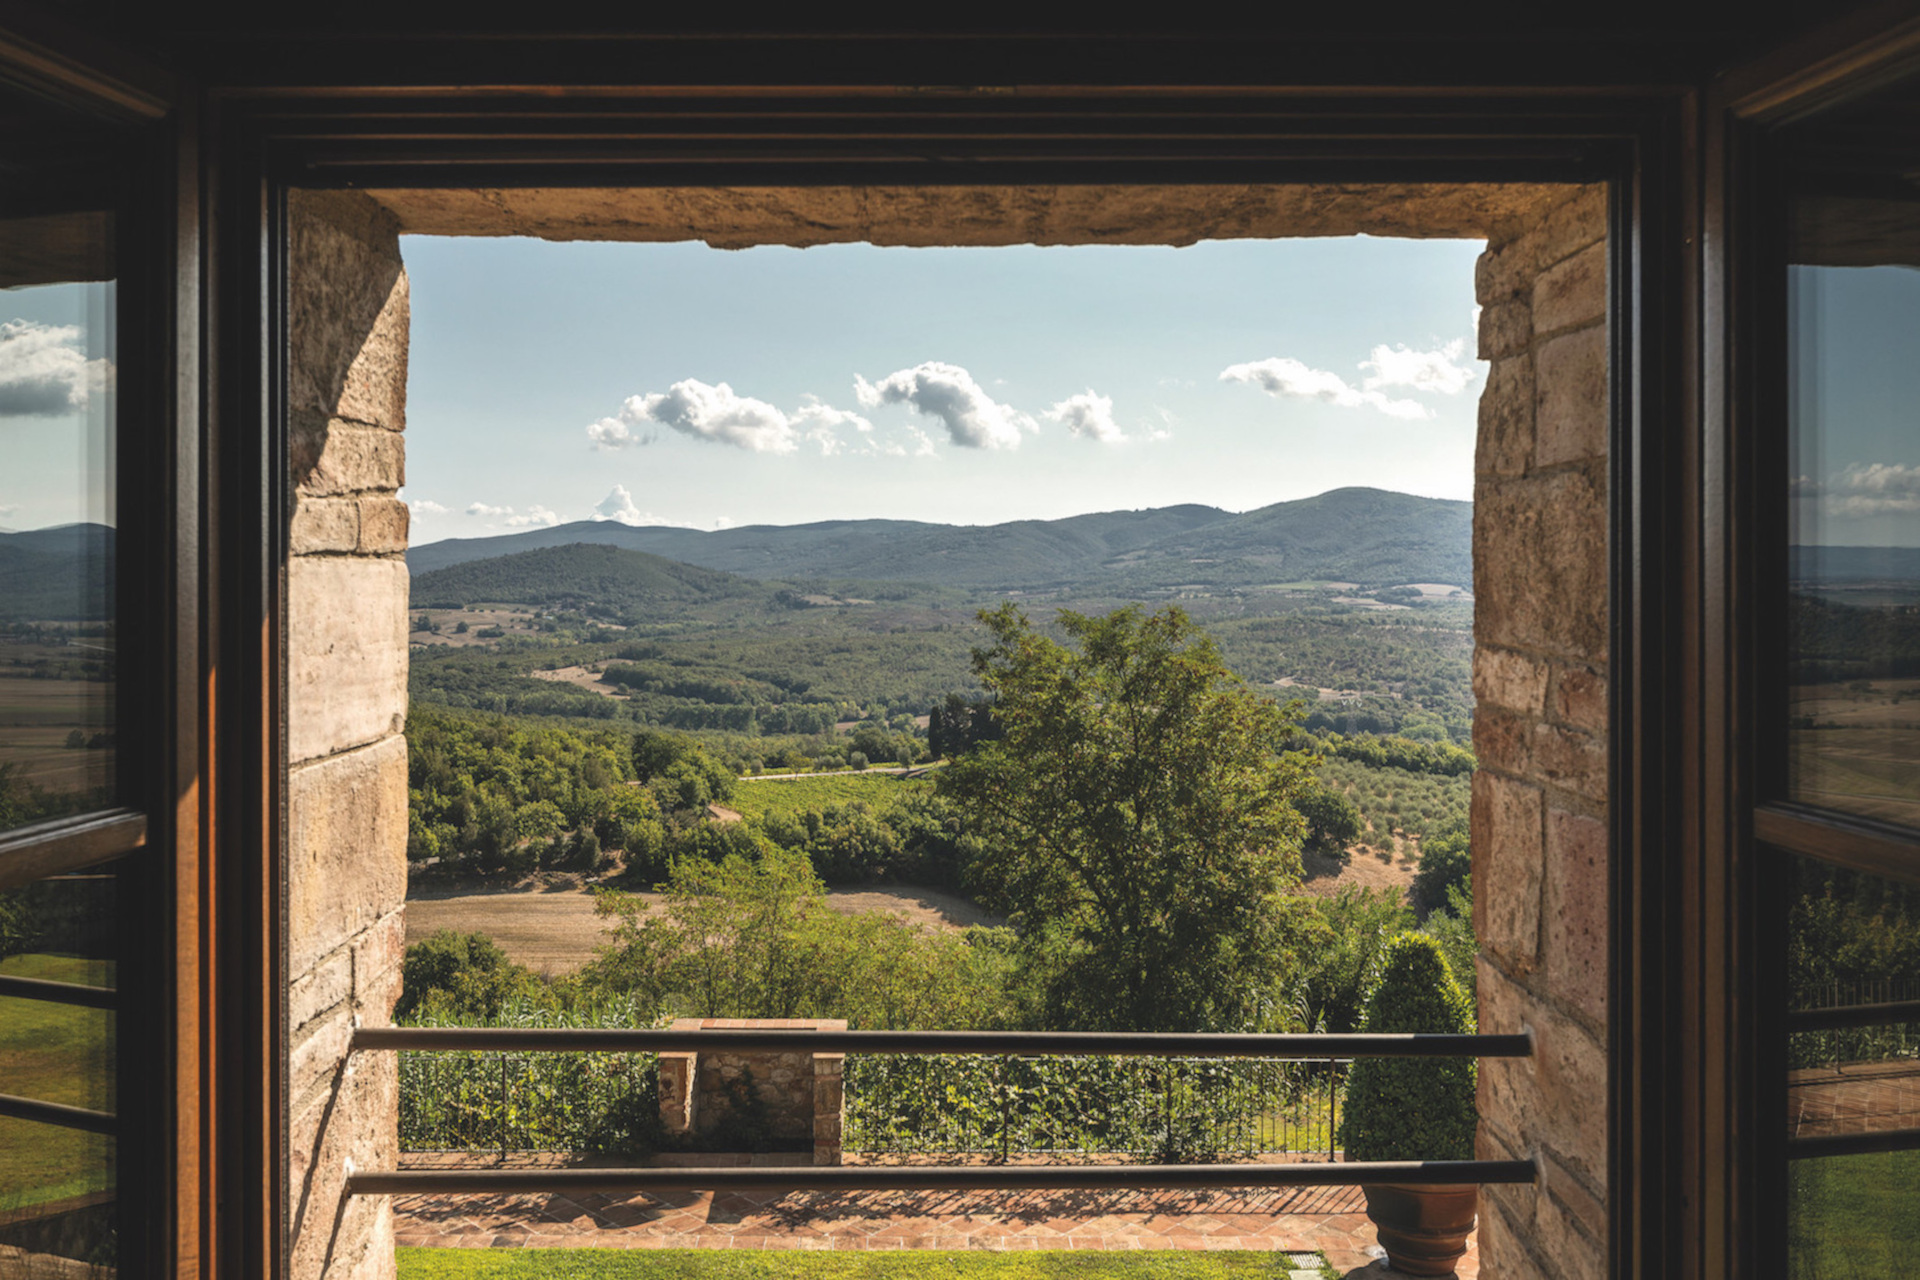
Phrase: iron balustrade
(1000, 1177)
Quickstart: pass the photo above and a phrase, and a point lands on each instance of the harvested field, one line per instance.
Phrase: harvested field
(552, 930)
(1326, 875)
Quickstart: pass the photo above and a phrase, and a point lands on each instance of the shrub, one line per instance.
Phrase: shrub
(1412, 1108)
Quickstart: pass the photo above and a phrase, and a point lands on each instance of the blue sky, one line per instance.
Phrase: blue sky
(1856, 423)
(681, 384)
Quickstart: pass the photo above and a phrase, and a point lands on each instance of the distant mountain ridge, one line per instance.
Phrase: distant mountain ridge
(1354, 534)
(62, 574)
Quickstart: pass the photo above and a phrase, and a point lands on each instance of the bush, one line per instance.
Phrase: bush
(1412, 1108)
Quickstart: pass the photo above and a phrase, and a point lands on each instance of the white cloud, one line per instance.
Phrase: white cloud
(534, 515)
(611, 433)
(1087, 414)
(818, 421)
(44, 372)
(722, 522)
(717, 412)
(1441, 371)
(618, 506)
(426, 507)
(483, 509)
(974, 420)
(1873, 489)
(1287, 378)
(710, 412)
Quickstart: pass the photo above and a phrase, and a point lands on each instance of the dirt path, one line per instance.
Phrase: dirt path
(553, 930)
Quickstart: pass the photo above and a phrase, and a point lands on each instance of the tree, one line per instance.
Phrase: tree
(1332, 821)
(1137, 817)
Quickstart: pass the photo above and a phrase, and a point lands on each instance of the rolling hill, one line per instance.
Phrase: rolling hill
(1361, 535)
(581, 575)
(62, 574)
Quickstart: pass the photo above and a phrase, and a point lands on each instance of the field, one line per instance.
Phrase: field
(54, 1053)
(43, 699)
(1854, 745)
(758, 797)
(554, 931)
(1853, 1216)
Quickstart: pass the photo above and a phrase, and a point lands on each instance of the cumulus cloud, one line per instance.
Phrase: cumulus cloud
(44, 372)
(1287, 378)
(534, 515)
(718, 413)
(820, 422)
(974, 419)
(1871, 489)
(1442, 371)
(1087, 414)
(426, 507)
(618, 506)
(483, 509)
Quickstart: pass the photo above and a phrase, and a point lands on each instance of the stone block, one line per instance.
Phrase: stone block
(1571, 759)
(1572, 292)
(319, 989)
(331, 457)
(353, 1126)
(1579, 699)
(383, 525)
(1505, 328)
(322, 526)
(1540, 563)
(1514, 681)
(1570, 397)
(347, 310)
(1502, 739)
(1507, 848)
(346, 654)
(346, 848)
(1576, 914)
(1506, 268)
(317, 1052)
(1505, 442)
(378, 954)
(1570, 225)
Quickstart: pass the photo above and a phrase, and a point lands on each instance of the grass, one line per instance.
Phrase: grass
(56, 1053)
(881, 790)
(905, 1264)
(1853, 1216)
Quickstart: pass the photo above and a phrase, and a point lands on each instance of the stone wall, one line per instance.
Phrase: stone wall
(346, 704)
(1540, 730)
(801, 1093)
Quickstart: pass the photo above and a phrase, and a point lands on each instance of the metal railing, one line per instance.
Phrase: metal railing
(1004, 1044)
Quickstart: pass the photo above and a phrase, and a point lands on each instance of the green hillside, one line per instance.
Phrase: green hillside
(601, 580)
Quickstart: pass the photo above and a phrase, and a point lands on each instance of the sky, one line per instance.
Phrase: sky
(56, 405)
(1855, 421)
(679, 384)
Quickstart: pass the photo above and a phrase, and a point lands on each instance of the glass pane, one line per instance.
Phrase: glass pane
(1854, 424)
(57, 513)
(1852, 940)
(57, 1182)
(1853, 1216)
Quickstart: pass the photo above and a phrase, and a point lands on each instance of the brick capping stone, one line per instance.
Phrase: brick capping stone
(803, 1093)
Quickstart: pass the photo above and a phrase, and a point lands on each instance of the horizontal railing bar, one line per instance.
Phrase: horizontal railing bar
(1853, 1015)
(1305, 1048)
(57, 1113)
(1102, 1177)
(59, 992)
(1853, 1144)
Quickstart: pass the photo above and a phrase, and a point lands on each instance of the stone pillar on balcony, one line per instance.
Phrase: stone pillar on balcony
(346, 588)
(799, 1093)
(1540, 732)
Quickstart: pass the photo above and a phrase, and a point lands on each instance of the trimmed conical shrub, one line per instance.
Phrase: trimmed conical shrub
(1412, 1108)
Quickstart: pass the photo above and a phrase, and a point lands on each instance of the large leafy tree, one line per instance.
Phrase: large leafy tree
(1138, 821)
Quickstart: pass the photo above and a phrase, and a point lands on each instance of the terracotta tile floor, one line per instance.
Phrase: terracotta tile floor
(1324, 1219)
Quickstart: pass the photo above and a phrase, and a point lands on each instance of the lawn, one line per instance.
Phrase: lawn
(907, 1264)
(1853, 1216)
(56, 1053)
(773, 795)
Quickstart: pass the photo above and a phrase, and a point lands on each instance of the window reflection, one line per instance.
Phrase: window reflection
(57, 629)
(1854, 437)
(57, 1185)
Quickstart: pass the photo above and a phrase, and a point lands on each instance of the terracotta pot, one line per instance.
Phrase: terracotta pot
(1423, 1227)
